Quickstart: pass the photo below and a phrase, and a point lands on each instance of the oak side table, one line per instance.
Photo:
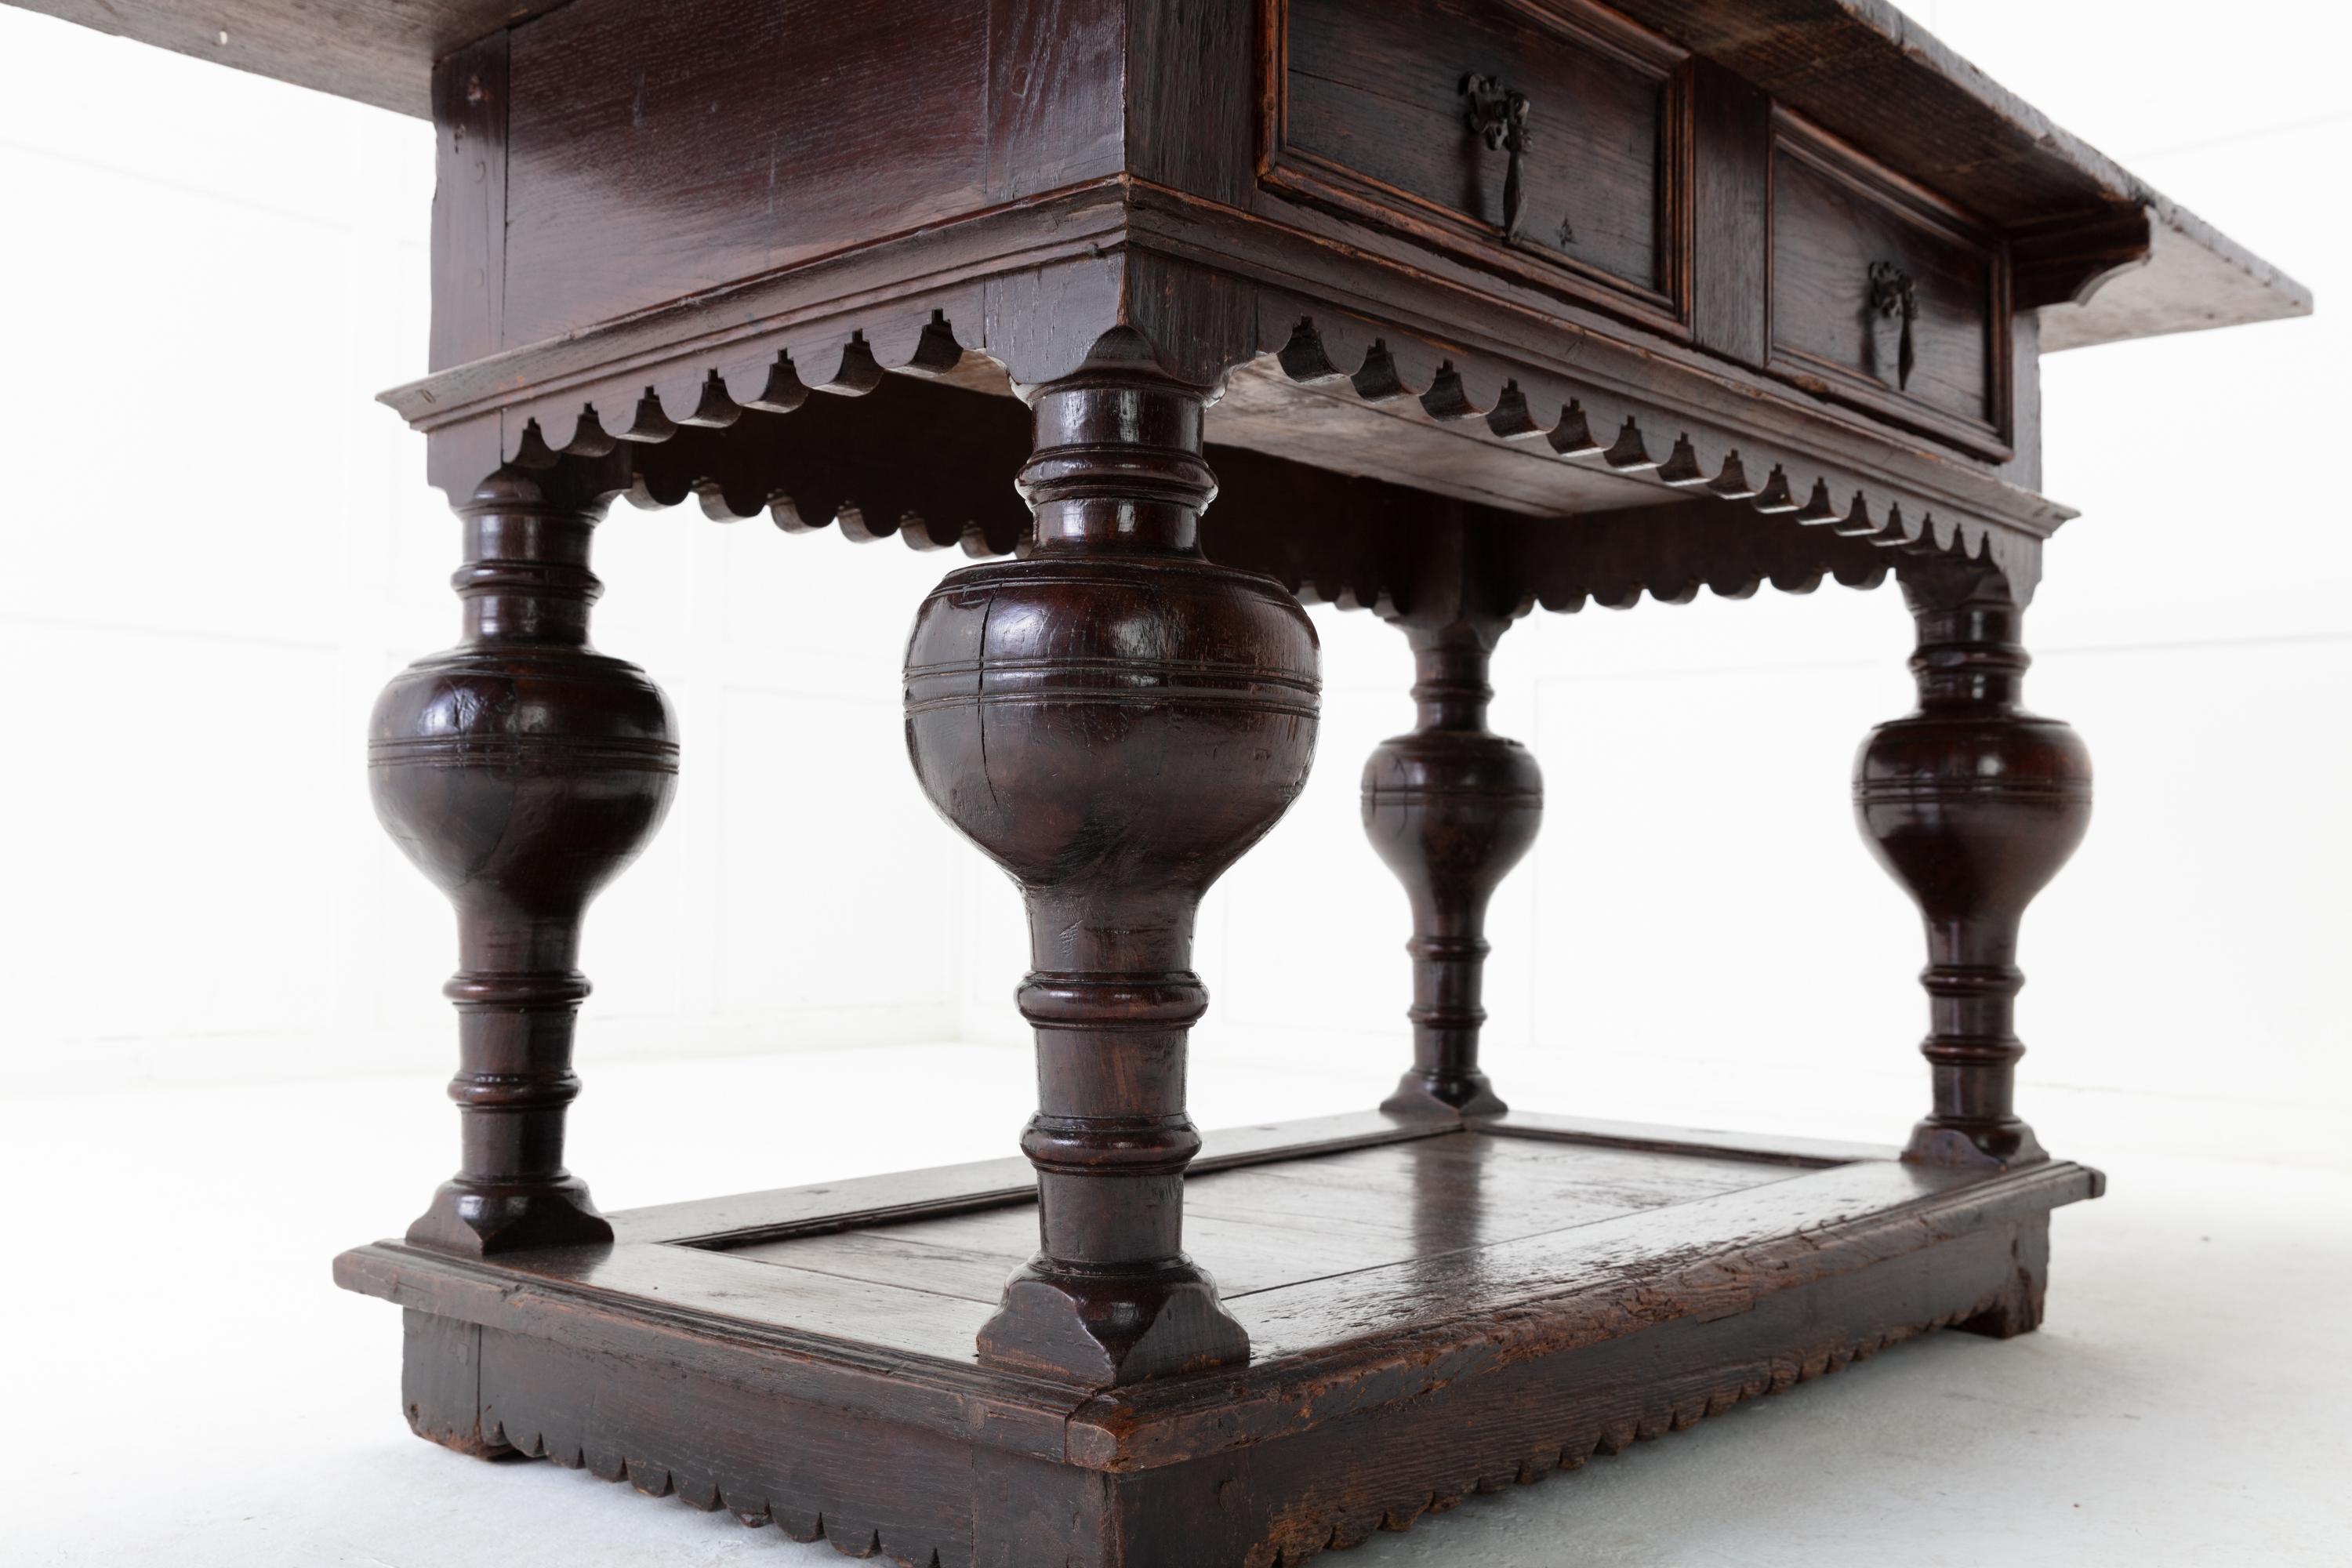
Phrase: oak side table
(1455, 309)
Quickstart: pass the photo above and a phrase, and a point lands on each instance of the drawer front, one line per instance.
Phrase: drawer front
(1370, 115)
(1860, 259)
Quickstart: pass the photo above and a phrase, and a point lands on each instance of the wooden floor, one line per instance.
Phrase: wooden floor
(1307, 1221)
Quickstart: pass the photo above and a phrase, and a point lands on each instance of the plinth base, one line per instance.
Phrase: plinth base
(1434, 1308)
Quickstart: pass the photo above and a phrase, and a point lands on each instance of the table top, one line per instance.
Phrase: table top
(1896, 89)
(1750, 290)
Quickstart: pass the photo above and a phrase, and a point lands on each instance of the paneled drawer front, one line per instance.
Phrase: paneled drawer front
(1370, 115)
(1860, 260)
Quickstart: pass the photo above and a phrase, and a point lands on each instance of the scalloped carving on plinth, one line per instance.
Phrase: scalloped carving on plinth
(753, 1504)
(1288, 1540)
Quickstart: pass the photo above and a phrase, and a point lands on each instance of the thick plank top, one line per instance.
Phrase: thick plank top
(1906, 96)
(1860, 68)
(377, 51)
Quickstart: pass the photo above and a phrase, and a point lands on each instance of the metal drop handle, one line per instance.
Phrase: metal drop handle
(1894, 295)
(1499, 116)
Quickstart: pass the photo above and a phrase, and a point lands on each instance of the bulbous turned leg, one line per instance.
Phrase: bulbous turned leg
(1451, 808)
(1972, 803)
(519, 771)
(1113, 720)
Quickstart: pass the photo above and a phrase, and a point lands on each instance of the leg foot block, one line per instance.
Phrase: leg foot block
(478, 1218)
(2017, 1309)
(1158, 1327)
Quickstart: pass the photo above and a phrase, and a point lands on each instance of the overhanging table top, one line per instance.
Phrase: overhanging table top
(1861, 67)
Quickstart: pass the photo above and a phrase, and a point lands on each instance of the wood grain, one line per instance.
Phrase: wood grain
(1273, 1226)
(657, 151)
(1731, 213)
(1452, 807)
(1833, 218)
(1055, 115)
(470, 203)
(1035, 689)
(1897, 91)
(1375, 93)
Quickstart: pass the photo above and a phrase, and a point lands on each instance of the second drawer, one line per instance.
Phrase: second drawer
(1861, 261)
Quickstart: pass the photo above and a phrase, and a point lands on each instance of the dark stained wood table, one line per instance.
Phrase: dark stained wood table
(1455, 309)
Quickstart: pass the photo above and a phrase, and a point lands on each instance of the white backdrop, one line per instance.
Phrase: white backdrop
(217, 547)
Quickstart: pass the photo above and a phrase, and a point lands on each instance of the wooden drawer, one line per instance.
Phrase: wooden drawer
(1854, 250)
(1368, 114)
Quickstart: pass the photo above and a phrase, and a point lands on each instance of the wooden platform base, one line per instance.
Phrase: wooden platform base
(1434, 1309)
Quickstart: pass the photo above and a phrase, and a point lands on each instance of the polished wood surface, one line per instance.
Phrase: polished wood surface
(1368, 117)
(520, 770)
(1272, 1227)
(1867, 72)
(701, 165)
(1932, 348)
(1973, 804)
(1451, 808)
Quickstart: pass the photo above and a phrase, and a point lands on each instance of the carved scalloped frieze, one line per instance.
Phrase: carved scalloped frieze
(1563, 564)
(827, 462)
(1583, 422)
(1328, 537)
(1670, 552)
(765, 430)
(1020, 295)
(1362, 545)
(777, 375)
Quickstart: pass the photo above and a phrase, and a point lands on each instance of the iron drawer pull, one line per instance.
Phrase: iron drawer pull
(1893, 294)
(1499, 116)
